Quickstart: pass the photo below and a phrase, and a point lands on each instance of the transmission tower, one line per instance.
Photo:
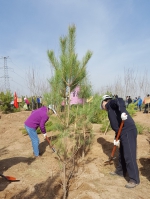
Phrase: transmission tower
(6, 77)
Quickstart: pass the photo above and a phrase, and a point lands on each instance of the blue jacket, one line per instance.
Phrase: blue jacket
(139, 102)
(115, 107)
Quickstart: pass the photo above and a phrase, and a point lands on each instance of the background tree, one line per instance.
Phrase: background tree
(37, 85)
(5, 102)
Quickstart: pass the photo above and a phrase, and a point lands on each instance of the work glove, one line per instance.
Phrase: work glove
(124, 116)
(117, 143)
(45, 135)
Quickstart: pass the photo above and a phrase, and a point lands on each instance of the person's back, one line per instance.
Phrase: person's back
(37, 118)
(129, 100)
(115, 108)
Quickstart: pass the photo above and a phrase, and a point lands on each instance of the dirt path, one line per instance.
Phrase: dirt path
(39, 178)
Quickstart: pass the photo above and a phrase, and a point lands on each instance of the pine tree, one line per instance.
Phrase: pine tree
(69, 73)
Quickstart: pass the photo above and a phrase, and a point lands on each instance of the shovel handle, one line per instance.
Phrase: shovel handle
(117, 138)
(50, 144)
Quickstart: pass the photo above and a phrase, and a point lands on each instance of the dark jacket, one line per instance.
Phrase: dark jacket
(115, 107)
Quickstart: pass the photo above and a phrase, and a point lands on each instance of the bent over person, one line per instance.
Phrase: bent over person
(128, 139)
(38, 118)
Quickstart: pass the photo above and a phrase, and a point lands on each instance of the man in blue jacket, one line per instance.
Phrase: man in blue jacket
(128, 139)
(38, 118)
(139, 104)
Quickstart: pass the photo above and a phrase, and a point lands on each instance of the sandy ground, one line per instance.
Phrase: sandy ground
(39, 178)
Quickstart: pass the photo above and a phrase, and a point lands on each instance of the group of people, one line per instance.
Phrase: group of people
(36, 102)
(138, 101)
(127, 143)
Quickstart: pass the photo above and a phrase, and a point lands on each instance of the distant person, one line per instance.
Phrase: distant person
(115, 96)
(38, 102)
(135, 100)
(62, 106)
(27, 103)
(139, 103)
(38, 118)
(129, 100)
(33, 103)
(128, 139)
(147, 105)
(126, 101)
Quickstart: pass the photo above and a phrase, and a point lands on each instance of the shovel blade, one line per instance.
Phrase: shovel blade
(109, 161)
(53, 149)
(9, 178)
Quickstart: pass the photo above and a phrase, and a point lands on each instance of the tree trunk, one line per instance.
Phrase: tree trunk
(64, 181)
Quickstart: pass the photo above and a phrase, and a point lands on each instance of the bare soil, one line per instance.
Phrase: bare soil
(39, 178)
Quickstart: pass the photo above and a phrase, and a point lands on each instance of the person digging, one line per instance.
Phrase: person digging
(128, 139)
(38, 118)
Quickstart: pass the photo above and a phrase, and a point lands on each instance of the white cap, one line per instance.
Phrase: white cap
(105, 97)
(52, 108)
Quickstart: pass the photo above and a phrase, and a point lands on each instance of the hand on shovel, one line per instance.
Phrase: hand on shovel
(46, 138)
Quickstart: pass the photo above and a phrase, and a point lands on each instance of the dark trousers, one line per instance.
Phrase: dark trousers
(127, 155)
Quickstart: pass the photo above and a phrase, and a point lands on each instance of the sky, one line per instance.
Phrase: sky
(116, 31)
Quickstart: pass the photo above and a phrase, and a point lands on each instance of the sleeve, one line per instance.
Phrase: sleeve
(119, 104)
(113, 104)
(114, 114)
(42, 124)
(113, 120)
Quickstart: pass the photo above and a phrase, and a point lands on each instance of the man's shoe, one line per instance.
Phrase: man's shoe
(113, 173)
(131, 185)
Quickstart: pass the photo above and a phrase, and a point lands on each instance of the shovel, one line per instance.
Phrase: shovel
(9, 178)
(53, 149)
(114, 148)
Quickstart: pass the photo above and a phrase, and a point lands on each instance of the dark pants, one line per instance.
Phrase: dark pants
(127, 155)
(146, 108)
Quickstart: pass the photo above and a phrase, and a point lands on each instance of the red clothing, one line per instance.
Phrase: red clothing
(27, 101)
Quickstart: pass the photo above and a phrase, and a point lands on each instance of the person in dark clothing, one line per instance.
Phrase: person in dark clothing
(128, 139)
(33, 103)
(129, 100)
(115, 96)
(38, 102)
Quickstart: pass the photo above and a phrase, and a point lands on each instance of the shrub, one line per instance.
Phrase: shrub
(132, 109)
(5, 99)
(140, 128)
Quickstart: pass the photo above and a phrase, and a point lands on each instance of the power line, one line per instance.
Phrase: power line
(18, 83)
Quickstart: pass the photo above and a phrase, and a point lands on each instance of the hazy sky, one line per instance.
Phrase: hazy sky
(116, 31)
